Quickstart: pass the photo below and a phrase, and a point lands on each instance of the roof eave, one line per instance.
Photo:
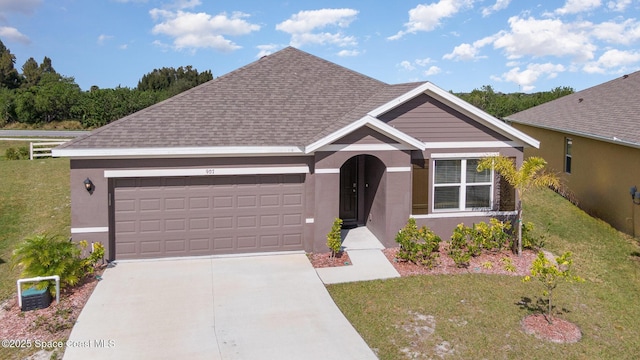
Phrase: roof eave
(178, 152)
(613, 140)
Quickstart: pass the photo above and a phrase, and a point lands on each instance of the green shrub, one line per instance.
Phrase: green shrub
(47, 255)
(21, 153)
(467, 242)
(418, 246)
(459, 246)
(334, 238)
(529, 240)
(499, 236)
(507, 264)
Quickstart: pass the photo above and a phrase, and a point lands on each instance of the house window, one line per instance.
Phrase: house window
(568, 143)
(458, 185)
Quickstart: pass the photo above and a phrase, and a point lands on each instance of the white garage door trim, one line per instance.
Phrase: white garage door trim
(135, 173)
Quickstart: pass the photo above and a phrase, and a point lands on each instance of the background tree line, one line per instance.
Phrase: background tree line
(39, 94)
(501, 105)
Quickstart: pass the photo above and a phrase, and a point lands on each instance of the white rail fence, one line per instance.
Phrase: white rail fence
(43, 149)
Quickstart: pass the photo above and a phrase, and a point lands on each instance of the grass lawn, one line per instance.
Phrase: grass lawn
(34, 198)
(478, 316)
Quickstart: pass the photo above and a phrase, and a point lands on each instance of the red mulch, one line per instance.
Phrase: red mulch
(477, 265)
(560, 331)
(44, 324)
(322, 260)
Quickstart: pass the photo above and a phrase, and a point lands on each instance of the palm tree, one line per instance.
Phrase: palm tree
(531, 175)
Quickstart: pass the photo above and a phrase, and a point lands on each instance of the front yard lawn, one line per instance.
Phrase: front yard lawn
(474, 316)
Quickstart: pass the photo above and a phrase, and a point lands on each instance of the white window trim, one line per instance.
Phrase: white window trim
(568, 140)
(442, 215)
(462, 185)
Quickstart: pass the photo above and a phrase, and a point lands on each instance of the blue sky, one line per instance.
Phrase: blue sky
(459, 45)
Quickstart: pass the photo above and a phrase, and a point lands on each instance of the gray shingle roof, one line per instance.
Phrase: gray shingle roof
(289, 98)
(609, 111)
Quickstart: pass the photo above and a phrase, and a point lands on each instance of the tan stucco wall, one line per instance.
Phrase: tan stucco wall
(601, 174)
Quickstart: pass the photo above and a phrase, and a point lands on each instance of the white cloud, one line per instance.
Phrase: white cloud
(407, 65)
(345, 53)
(626, 32)
(410, 66)
(577, 6)
(613, 59)
(424, 62)
(428, 17)
(462, 52)
(123, 47)
(266, 49)
(527, 77)
(499, 5)
(200, 30)
(433, 70)
(11, 33)
(305, 27)
(620, 5)
(548, 37)
(102, 38)
(466, 52)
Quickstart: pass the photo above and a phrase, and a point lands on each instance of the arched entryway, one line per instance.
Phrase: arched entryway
(361, 177)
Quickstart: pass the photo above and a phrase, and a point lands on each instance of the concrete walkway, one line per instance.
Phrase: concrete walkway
(368, 261)
(258, 307)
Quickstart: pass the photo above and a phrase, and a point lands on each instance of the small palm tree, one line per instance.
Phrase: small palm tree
(46, 255)
(530, 175)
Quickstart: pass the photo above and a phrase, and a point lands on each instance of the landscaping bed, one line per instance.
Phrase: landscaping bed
(51, 324)
(486, 263)
(322, 260)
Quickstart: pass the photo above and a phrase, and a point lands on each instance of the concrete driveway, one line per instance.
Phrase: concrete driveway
(257, 307)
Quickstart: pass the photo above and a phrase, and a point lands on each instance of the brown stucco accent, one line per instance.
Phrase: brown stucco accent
(601, 174)
(429, 120)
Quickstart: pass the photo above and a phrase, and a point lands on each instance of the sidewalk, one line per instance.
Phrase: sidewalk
(368, 261)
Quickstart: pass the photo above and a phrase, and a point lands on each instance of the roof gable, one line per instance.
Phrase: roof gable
(429, 120)
(608, 112)
(285, 103)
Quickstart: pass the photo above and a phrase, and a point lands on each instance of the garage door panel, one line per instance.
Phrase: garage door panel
(175, 245)
(223, 245)
(208, 215)
(270, 241)
(269, 200)
(222, 202)
(292, 240)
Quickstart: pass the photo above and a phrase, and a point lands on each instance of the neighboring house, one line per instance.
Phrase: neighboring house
(592, 138)
(266, 157)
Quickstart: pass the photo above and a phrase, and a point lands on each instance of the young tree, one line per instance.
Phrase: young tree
(530, 175)
(550, 275)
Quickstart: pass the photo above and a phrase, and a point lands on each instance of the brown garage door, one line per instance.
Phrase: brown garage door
(186, 216)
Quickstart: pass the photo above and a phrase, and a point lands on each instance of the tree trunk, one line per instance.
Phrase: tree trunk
(549, 319)
(519, 227)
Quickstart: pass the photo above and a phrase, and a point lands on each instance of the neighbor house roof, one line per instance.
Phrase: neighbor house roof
(608, 112)
(281, 103)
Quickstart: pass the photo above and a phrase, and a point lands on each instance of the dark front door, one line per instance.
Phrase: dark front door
(349, 192)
